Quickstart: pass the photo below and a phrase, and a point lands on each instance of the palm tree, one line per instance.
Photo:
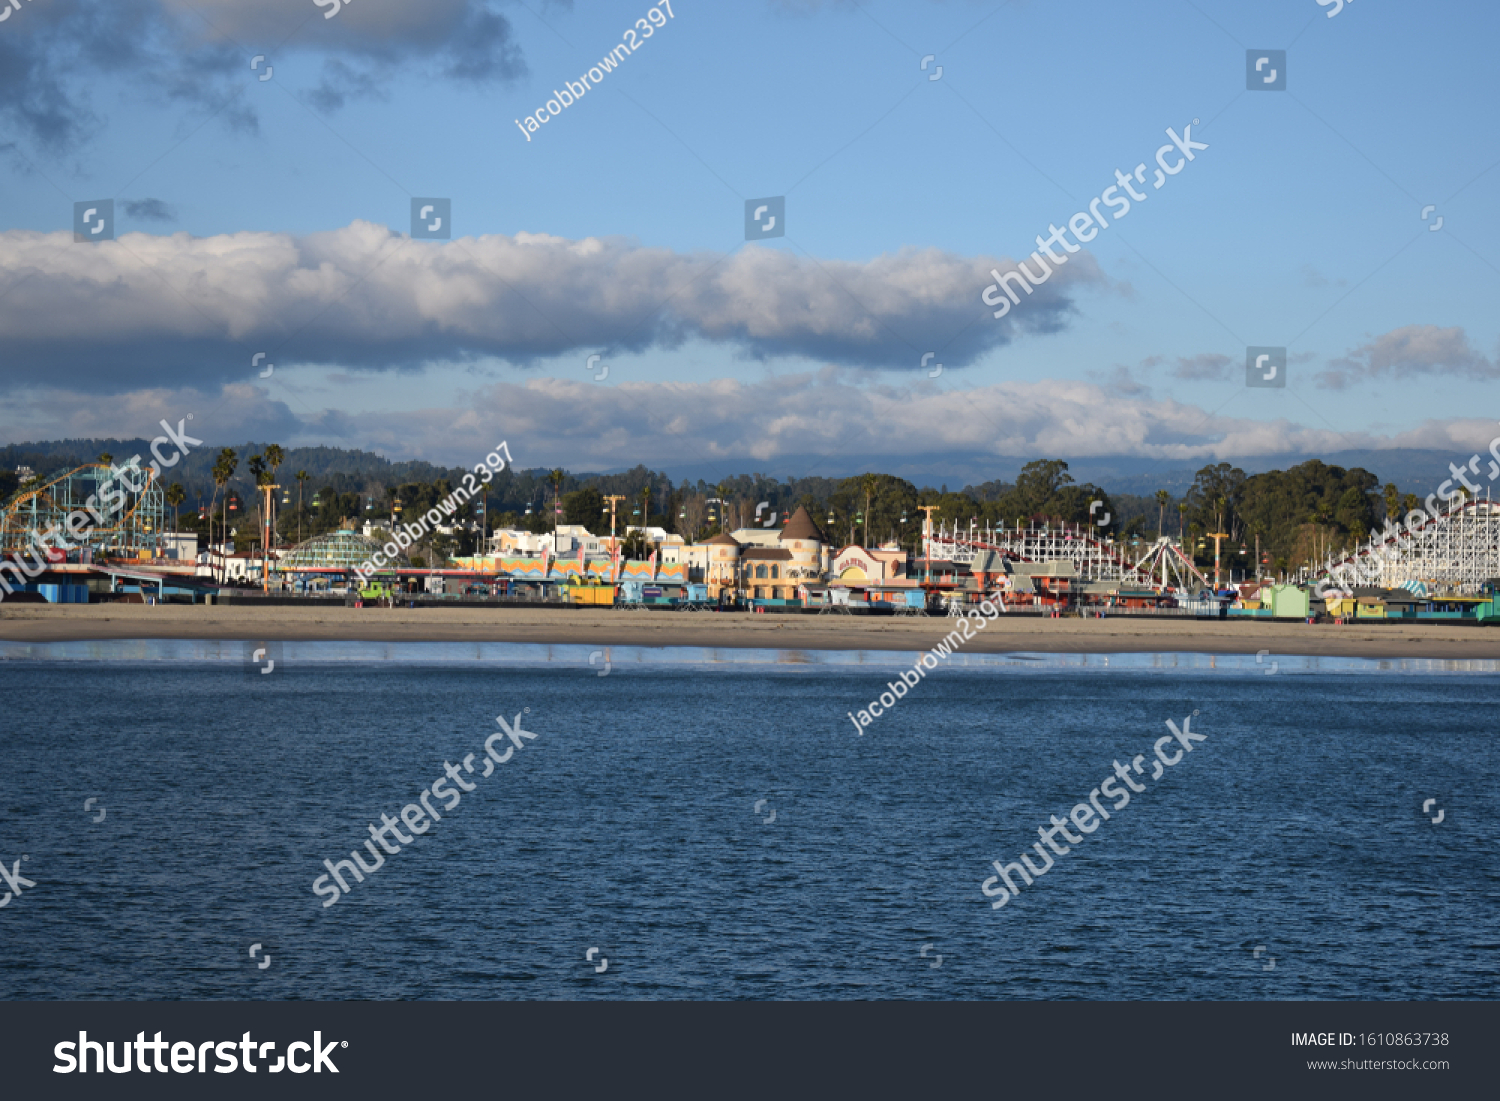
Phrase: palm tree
(869, 481)
(223, 470)
(1181, 518)
(175, 496)
(257, 467)
(106, 458)
(1163, 498)
(302, 477)
(275, 456)
(556, 477)
(263, 477)
(634, 547)
(1392, 501)
(214, 500)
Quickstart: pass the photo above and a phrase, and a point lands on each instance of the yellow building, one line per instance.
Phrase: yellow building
(768, 573)
(723, 573)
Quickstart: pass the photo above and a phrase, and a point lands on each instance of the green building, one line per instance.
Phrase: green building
(1285, 601)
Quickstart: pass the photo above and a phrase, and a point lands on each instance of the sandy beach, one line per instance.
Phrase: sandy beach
(612, 627)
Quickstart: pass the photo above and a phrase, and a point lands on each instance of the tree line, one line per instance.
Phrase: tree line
(1299, 515)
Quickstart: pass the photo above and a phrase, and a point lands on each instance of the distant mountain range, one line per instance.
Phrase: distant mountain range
(1413, 470)
(195, 472)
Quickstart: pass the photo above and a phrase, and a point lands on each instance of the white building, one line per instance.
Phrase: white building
(511, 542)
(216, 564)
(182, 548)
(694, 556)
(572, 536)
(234, 566)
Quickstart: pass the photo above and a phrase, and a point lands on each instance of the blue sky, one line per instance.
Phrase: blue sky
(268, 216)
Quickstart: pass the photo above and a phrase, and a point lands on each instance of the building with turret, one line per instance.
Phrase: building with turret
(723, 576)
(810, 556)
(766, 565)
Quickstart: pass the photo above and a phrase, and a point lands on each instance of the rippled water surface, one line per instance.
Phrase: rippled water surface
(711, 822)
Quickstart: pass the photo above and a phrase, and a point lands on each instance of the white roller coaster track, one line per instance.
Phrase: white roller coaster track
(1162, 565)
(1458, 550)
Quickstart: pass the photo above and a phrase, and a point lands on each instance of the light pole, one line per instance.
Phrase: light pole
(927, 541)
(265, 541)
(613, 500)
(1216, 536)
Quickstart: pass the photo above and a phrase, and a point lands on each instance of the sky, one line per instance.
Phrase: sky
(265, 158)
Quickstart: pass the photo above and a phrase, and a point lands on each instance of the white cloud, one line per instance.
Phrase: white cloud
(229, 415)
(198, 308)
(1407, 352)
(586, 425)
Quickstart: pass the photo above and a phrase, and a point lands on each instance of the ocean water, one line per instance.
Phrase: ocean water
(713, 824)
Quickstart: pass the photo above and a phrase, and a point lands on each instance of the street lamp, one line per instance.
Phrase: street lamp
(613, 548)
